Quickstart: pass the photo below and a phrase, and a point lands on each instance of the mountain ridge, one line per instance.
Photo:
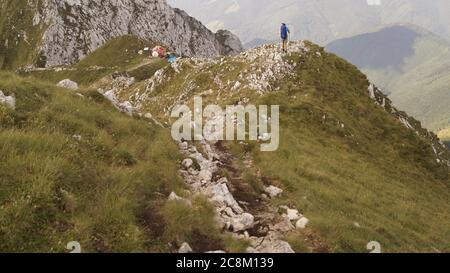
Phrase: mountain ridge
(52, 33)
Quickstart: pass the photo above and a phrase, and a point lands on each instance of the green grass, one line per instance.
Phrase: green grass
(56, 187)
(119, 54)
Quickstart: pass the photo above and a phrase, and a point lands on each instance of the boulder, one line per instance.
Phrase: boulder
(273, 191)
(284, 226)
(271, 244)
(68, 84)
(242, 222)
(185, 248)
(126, 107)
(221, 196)
(205, 176)
(111, 96)
(9, 101)
(293, 214)
(302, 223)
(187, 163)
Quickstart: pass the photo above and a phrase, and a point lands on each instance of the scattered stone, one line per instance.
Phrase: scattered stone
(230, 216)
(271, 244)
(243, 222)
(68, 84)
(357, 225)
(174, 197)
(273, 191)
(293, 214)
(126, 107)
(193, 171)
(302, 223)
(221, 196)
(185, 248)
(9, 101)
(77, 137)
(205, 176)
(284, 226)
(187, 163)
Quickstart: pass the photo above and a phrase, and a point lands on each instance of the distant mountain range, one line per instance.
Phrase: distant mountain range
(321, 21)
(411, 64)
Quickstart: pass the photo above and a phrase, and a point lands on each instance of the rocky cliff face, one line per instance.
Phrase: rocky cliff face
(71, 29)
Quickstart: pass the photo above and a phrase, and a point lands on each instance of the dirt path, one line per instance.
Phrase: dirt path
(239, 211)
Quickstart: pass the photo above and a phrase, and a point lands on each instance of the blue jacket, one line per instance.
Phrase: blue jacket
(284, 32)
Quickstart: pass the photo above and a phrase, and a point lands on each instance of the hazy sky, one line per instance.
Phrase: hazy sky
(319, 20)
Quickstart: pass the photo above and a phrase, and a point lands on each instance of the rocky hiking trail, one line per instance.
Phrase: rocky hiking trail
(239, 211)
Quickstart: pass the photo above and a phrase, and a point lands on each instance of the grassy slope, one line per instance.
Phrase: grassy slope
(120, 54)
(373, 171)
(106, 190)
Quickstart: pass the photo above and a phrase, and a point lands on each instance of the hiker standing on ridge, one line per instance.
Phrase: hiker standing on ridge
(284, 36)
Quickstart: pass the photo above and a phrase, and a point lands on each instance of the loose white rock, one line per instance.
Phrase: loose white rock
(9, 101)
(187, 163)
(273, 191)
(174, 197)
(302, 223)
(68, 84)
(293, 214)
(205, 176)
(126, 107)
(185, 248)
(221, 196)
(243, 222)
